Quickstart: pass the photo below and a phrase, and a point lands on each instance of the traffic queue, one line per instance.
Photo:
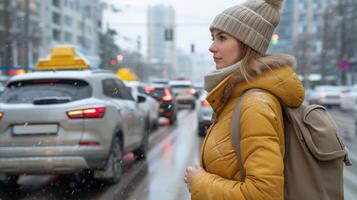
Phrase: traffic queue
(67, 118)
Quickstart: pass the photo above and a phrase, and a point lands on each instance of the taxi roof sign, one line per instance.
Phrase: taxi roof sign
(62, 58)
(126, 74)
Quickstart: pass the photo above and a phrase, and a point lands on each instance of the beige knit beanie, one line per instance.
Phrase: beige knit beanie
(252, 22)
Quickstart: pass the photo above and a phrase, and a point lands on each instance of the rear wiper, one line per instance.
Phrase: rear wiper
(51, 100)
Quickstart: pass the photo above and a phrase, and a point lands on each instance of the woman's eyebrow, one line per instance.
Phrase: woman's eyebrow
(220, 33)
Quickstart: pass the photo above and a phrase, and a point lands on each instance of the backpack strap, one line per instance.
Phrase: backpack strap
(235, 131)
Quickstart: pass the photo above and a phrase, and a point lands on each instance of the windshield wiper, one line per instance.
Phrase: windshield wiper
(51, 100)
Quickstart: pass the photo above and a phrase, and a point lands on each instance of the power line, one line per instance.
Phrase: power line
(159, 24)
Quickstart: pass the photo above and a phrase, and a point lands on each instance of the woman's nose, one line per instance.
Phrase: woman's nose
(212, 48)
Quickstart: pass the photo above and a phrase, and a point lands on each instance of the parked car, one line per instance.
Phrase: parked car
(69, 121)
(184, 92)
(2, 87)
(199, 89)
(327, 95)
(151, 105)
(204, 114)
(168, 104)
(160, 81)
(57, 122)
(349, 99)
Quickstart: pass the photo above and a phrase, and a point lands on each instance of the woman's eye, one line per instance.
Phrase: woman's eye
(222, 38)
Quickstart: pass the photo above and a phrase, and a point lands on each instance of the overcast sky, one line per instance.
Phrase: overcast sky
(192, 17)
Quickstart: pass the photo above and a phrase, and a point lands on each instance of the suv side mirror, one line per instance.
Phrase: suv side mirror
(196, 94)
(141, 99)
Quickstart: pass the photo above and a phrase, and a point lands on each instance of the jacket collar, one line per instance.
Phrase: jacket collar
(280, 81)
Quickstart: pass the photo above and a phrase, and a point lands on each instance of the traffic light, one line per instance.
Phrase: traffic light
(120, 58)
(192, 48)
(274, 39)
(169, 34)
(113, 62)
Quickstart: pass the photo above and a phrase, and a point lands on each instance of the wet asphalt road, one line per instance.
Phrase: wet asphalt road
(171, 149)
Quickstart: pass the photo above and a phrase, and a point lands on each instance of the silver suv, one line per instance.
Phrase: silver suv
(68, 121)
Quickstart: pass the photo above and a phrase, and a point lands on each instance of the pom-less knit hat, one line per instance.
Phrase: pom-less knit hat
(252, 22)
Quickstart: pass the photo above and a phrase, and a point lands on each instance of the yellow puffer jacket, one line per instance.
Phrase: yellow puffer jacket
(262, 140)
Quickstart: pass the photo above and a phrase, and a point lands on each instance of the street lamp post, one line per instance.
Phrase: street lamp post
(26, 35)
(341, 5)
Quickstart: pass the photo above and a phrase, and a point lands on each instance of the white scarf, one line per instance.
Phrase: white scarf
(213, 78)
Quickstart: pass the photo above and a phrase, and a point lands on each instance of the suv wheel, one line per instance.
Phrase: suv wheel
(114, 168)
(11, 180)
(172, 119)
(141, 152)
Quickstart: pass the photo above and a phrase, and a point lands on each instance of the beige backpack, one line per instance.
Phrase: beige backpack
(314, 153)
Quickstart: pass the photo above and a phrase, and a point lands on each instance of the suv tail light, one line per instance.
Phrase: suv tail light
(1, 115)
(323, 95)
(205, 103)
(89, 143)
(192, 91)
(167, 96)
(86, 113)
(149, 89)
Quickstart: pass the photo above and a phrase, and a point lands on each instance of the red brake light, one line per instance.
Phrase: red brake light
(205, 103)
(343, 95)
(323, 94)
(149, 89)
(1, 115)
(192, 91)
(88, 143)
(86, 113)
(167, 96)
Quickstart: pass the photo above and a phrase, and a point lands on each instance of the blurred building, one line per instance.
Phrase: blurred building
(202, 63)
(184, 64)
(308, 24)
(161, 41)
(30, 28)
(20, 38)
(285, 31)
(322, 37)
(339, 39)
(72, 22)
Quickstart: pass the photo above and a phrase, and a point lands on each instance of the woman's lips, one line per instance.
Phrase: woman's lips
(217, 59)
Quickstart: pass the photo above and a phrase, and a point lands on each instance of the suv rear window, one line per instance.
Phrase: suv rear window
(158, 92)
(180, 86)
(27, 91)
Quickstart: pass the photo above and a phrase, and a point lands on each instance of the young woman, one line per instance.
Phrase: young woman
(241, 36)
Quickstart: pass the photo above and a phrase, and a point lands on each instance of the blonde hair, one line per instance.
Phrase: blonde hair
(250, 64)
(253, 64)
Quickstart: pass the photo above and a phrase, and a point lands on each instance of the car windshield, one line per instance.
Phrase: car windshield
(329, 89)
(180, 86)
(27, 91)
(158, 92)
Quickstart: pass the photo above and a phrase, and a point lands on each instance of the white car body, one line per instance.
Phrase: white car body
(349, 100)
(326, 95)
(68, 121)
(151, 105)
(204, 114)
